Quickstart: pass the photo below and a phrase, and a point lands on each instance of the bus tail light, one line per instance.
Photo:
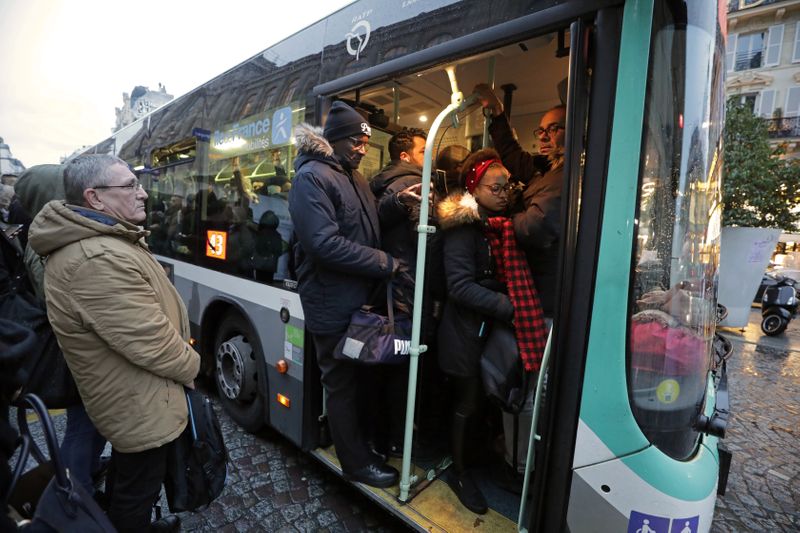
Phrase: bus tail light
(284, 401)
(282, 366)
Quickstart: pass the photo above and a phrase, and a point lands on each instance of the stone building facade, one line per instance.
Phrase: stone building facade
(763, 65)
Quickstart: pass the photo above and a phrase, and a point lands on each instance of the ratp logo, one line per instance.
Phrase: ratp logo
(360, 34)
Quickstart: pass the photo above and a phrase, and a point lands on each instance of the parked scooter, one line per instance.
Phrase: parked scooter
(778, 306)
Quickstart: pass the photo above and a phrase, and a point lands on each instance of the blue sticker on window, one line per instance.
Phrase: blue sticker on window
(281, 125)
(685, 525)
(645, 523)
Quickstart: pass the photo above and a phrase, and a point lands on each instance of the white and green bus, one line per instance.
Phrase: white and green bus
(626, 433)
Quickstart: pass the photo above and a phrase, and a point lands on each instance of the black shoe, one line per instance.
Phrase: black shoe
(166, 525)
(507, 478)
(378, 475)
(468, 492)
(418, 453)
(376, 453)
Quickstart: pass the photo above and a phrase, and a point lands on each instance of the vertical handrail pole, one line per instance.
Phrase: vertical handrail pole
(533, 435)
(490, 81)
(423, 229)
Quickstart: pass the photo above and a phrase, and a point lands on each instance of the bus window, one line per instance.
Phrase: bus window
(673, 291)
(245, 199)
(171, 187)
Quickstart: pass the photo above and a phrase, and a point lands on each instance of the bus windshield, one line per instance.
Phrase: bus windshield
(674, 287)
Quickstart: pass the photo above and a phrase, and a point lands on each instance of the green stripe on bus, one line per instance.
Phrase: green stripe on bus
(605, 406)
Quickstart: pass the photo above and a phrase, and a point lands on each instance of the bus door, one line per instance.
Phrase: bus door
(531, 76)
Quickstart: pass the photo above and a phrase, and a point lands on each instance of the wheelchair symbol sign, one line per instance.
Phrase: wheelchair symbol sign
(281, 125)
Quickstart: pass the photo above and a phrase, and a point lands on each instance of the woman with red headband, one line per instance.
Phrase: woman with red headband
(488, 280)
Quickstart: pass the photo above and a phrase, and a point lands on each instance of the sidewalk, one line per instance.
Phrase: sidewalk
(763, 492)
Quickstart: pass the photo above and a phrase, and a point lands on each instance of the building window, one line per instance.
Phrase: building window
(749, 51)
(796, 51)
(792, 102)
(747, 100)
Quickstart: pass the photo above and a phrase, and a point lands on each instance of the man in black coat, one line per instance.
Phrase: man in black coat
(339, 262)
(396, 189)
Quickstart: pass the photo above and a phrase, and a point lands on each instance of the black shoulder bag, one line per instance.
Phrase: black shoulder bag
(64, 505)
(198, 461)
(373, 338)
(502, 374)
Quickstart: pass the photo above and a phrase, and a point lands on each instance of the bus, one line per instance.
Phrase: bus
(632, 400)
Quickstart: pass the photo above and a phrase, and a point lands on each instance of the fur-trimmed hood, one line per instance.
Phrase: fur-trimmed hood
(458, 209)
(313, 146)
(310, 140)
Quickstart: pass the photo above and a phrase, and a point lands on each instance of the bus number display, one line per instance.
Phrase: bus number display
(216, 244)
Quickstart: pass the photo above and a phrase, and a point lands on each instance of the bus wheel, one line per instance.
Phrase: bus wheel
(236, 366)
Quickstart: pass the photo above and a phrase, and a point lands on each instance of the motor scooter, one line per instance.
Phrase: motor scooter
(778, 306)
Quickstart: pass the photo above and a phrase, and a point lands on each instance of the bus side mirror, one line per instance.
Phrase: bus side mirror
(717, 423)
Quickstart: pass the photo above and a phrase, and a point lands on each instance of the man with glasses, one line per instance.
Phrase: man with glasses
(122, 327)
(537, 225)
(537, 222)
(339, 263)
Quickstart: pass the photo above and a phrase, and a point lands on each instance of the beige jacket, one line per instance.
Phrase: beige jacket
(120, 323)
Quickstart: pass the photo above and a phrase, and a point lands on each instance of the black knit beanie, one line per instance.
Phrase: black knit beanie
(344, 121)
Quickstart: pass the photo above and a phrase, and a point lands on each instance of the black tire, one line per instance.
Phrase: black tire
(773, 325)
(236, 345)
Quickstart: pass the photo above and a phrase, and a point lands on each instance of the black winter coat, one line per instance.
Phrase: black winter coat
(475, 297)
(537, 224)
(399, 239)
(398, 235)
(336, 224)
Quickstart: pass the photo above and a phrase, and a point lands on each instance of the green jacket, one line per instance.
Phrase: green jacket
(120, 323)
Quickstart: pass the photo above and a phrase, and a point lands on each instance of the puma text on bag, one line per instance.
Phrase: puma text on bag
(372, 338)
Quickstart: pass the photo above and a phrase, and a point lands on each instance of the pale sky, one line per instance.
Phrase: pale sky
(65, 64)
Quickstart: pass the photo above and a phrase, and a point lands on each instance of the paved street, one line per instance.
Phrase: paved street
(764, 434)
(274, 487)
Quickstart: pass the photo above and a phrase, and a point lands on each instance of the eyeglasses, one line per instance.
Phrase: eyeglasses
(358, 144)
(496, 189)
(135, 186)
(552, 129)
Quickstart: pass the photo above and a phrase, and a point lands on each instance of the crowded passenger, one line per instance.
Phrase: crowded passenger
(82, 445)
(488, 281)
(538, 223)
(396, 188)
(339, 263)
(537, 226)
(122, 326)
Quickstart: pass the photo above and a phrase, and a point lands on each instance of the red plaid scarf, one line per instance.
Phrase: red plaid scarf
(513, 270)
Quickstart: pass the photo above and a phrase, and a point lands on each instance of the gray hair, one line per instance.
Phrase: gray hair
(87, 171)
(6, 194)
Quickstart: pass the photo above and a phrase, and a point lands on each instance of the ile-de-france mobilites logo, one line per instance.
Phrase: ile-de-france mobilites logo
(358, 36)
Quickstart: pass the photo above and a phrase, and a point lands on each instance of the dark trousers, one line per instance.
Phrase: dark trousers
(383, 392)
(81, 447)
(137, 479)
(467, 396)
(340, 379)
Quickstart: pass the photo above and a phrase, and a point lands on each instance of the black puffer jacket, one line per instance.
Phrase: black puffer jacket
(338, 235)
(399, 238)
(537, 223)
(475, 297)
